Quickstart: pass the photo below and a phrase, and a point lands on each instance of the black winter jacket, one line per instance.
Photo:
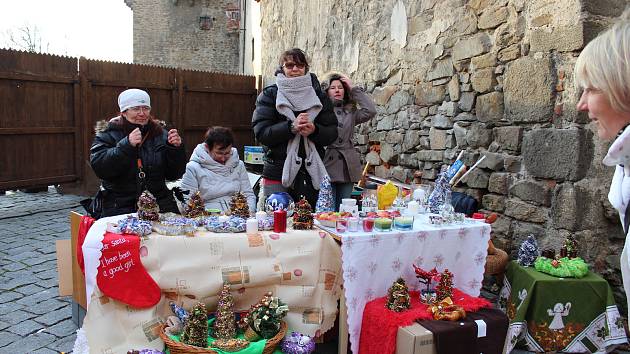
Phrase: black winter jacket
(114, 161)
(273, 130)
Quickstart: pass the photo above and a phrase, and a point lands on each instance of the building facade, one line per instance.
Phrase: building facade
(194, 34)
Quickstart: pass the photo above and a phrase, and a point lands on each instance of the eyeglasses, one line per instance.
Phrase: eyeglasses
(290, 66)
(218, 153)
(140, 108)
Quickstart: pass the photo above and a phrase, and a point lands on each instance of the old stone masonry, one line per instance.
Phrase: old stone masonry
(491, 77)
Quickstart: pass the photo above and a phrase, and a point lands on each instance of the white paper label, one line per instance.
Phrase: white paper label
(481, 328)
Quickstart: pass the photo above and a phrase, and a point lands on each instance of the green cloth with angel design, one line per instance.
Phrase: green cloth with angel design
(559, 314)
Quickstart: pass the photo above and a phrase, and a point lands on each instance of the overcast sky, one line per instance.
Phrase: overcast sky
(96, 29)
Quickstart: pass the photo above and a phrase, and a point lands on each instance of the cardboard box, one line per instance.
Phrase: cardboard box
(253, 155)
(415, 339)
(64, 266)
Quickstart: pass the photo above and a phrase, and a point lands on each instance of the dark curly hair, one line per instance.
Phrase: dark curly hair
(297, 55)
(219, 136)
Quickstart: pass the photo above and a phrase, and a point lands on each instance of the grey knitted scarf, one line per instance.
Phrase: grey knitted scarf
(296, 94)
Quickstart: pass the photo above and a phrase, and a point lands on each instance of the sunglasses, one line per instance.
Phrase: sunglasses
(290, 66)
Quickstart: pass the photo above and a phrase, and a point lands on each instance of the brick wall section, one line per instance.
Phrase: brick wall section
(168, 34)
(491, 77)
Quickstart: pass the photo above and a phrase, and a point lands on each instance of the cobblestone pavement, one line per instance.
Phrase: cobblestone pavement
(33, 317)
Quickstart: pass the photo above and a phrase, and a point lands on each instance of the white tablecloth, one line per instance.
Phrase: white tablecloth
(371, 262)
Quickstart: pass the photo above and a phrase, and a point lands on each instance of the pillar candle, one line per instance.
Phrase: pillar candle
(252, 226)
(413, 207)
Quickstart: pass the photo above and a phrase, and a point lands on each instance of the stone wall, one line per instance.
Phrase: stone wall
(491, 77)
(167, 33)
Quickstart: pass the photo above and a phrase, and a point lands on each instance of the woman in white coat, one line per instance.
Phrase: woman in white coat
(602, 71)
(216, 171)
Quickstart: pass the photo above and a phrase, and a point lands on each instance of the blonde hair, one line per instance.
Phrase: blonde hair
(604, 64)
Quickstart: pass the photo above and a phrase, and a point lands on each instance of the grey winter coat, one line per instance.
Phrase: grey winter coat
(342, 161)
(216, 182)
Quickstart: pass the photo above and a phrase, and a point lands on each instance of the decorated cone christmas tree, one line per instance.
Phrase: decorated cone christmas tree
(148, 208)
(195, 206)
(439, 195)
(398, 296)
(444, 288)
(325, 197)
(239, 206)
(303, 217)
(224, 326)
(528, 252)
(196, 328)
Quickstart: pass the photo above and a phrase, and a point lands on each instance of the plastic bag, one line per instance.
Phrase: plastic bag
(386, 195)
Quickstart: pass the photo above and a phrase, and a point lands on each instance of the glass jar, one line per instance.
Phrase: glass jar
(383, 224)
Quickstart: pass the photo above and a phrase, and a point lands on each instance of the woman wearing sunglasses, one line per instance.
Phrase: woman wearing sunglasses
(294, 121)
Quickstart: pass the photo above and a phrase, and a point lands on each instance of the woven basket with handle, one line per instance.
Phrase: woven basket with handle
(176, 347)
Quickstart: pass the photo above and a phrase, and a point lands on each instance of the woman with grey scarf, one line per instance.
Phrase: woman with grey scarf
(294, 121)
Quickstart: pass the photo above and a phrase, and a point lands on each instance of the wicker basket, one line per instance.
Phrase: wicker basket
(496, 262)
(176, 347)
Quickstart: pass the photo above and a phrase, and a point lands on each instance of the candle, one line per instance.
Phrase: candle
(341, 225)
(261, 215)
(280, 221)
(413, 207)
(251, 227)
(419, 194)
(368, 224)
(383, 224)
(223, 218)
(353, 224)
(349, 201)
(403, 222)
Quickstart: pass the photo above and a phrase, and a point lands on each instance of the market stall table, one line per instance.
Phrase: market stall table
(303, 268)
(372, 261)
(560, 314)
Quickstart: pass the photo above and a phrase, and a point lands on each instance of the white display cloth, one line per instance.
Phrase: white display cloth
(303, 268)
(371, 262)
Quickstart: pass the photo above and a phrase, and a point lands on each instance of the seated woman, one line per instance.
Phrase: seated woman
(216, 171)
(131, 146)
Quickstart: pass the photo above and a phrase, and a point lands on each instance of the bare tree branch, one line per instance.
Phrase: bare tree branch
(28, 38)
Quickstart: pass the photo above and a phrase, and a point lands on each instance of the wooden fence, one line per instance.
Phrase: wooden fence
(50, 104)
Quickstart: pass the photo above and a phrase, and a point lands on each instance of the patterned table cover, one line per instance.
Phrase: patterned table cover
(303, 268)
(371, 262)
(560, 314)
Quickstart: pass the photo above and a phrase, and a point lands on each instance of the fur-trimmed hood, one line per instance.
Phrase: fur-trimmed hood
(116, 123)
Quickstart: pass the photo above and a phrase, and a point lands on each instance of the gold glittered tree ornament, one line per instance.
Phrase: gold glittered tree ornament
(239, 206)
(196, 328)
(148, 208)
(224, 326)
(303, 215)
(398, 299)
(195, 207)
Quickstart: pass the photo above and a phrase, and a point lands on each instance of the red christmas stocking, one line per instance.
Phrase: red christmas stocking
(84, 227)
(122, 276)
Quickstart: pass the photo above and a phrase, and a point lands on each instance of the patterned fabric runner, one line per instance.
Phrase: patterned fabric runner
(560, 314)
